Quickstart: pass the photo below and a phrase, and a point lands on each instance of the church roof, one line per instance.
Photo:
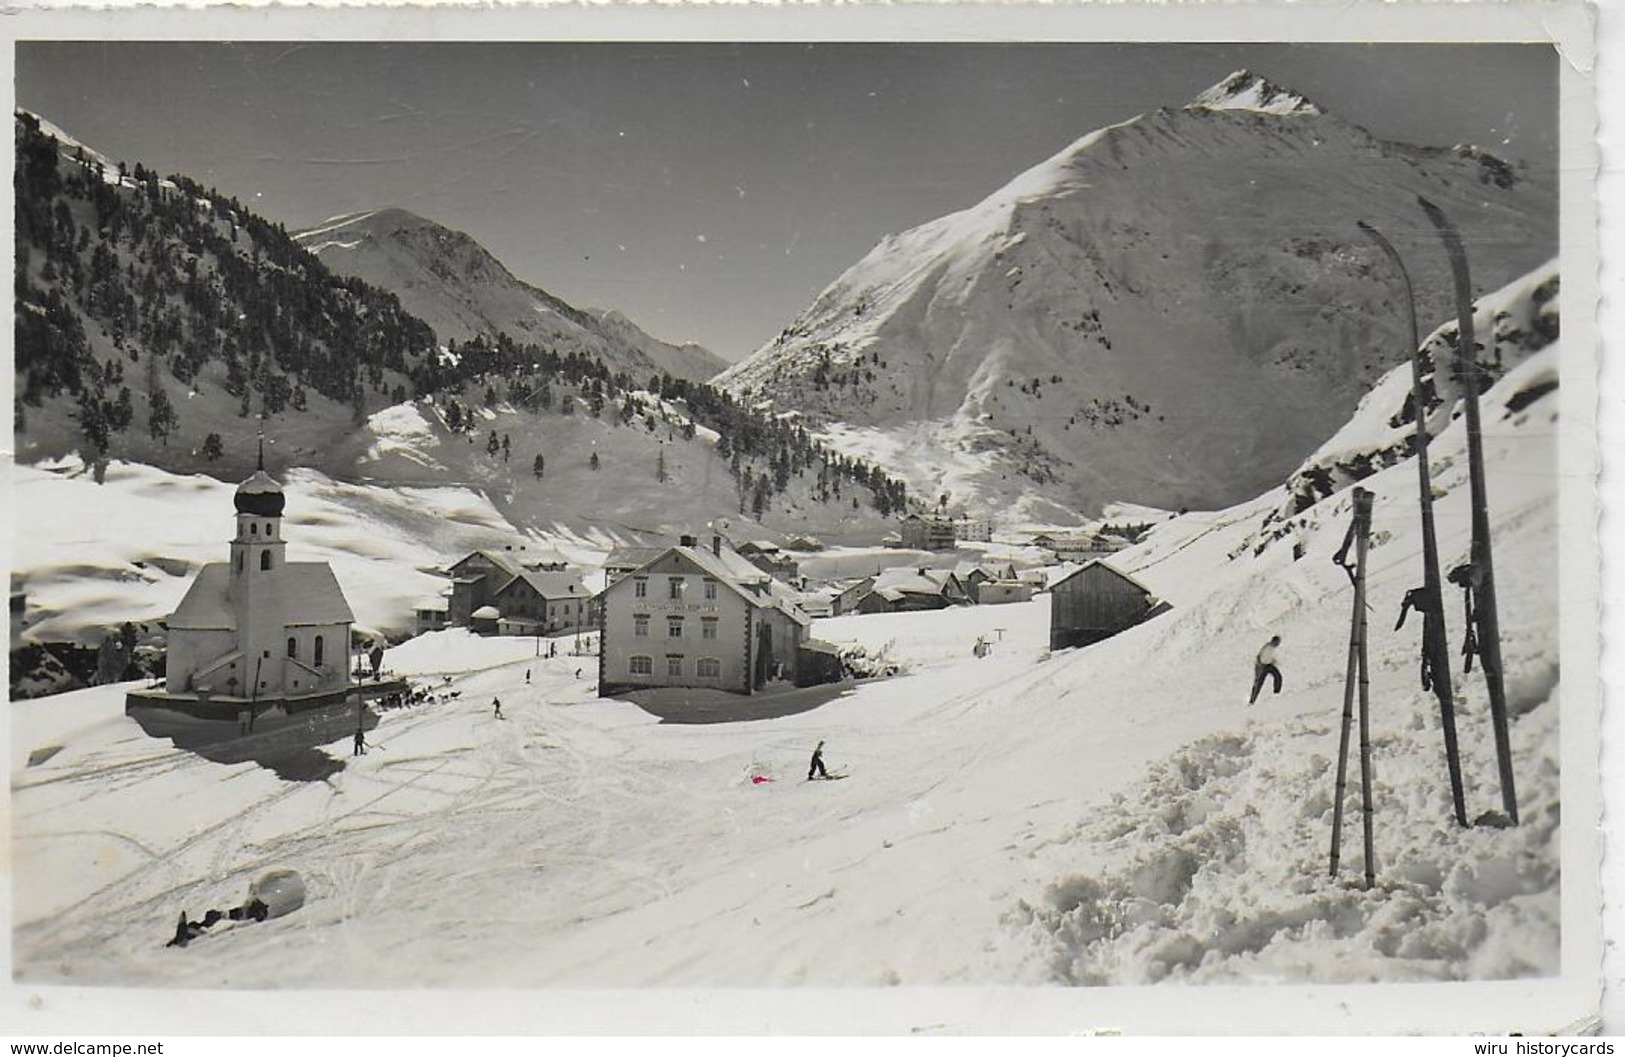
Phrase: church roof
(306, 592)
(205, 605)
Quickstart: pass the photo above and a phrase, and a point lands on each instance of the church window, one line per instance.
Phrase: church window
(293, 646)
(265, 560)
(253, 528)
(317, 654)
(239, 561)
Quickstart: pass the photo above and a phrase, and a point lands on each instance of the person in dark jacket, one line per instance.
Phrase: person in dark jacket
(817, 765)
(360, 748)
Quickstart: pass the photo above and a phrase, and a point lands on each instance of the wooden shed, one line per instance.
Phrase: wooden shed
(1096, 602)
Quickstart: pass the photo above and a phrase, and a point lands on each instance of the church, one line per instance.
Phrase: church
(259, 629)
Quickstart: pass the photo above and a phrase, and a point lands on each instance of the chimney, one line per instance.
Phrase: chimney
(716, 546)
(687, 541)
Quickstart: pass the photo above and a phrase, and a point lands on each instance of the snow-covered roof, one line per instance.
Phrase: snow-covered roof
(1109, 568)
(632, 557)
(550, 584)
(486, 613)
(913, 581)
(507, 561)
(306, 592)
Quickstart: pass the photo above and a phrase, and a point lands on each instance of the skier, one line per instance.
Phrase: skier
(496, 703)
(527, 676)
(1264, 664)
(360, 748)
(817, 765)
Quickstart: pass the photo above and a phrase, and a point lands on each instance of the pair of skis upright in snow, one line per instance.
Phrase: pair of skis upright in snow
(1478, 575)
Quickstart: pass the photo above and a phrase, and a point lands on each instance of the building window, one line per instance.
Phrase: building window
(640, 625)
(642, 666)
(674, 664)
(640, 588)
(265, 560)
(253, 528)
(293, 646)
(316, 653)
(674, 587)
(708, 627)
(674, 627)
(708, 668)
(710, 590)
(239, 561)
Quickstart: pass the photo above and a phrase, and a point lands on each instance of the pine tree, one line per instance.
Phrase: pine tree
(593, 462)
(660, 466)
(212, 448)
(538, 466)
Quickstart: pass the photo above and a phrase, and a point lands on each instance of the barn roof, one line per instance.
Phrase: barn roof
(1097, 563)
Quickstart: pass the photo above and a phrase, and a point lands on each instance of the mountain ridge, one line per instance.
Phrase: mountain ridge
(1146, 283)
(447, 278)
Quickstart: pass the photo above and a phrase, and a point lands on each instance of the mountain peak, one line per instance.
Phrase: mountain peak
(1245, 90)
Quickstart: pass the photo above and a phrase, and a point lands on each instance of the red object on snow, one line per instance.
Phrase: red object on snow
(758, 779)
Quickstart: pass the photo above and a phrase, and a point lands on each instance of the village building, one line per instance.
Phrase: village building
(974, 529)
(928, 532)
(543, 603)
(431, 614)
(847, 595)
(258, 629)
(1077, 546)
(698, 616)
(511, 592)
(1002, 592)
(903, 590)
(769, 558)
(1096, 602)
(622, 561)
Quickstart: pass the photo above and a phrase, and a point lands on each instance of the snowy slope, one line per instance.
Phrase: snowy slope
(403, 494)
(1115, 814)
(1174, 310)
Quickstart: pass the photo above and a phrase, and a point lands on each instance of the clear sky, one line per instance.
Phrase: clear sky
(707, 190)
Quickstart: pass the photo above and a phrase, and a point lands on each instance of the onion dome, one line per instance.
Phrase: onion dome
(260, 495)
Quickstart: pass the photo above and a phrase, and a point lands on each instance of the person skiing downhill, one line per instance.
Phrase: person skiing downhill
(817, 765)
(1264, 665)
(496, 704)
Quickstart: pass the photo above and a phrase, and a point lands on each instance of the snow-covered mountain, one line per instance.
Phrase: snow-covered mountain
(454, 284)
(1173, 310)
(689, 360)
